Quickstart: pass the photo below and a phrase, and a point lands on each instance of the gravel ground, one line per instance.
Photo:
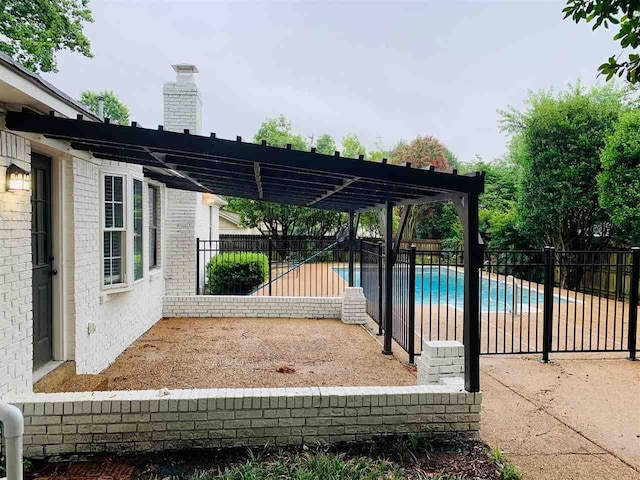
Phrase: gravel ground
(245, 353)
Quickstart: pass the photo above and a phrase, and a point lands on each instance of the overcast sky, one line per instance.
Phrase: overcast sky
(380, 70)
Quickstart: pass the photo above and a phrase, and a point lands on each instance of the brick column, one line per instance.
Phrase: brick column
(180, 265)
(441, 362)
(354, 308)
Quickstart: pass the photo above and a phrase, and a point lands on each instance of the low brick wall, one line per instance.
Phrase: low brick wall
(245, 306)
(442, 361)
(128, 421)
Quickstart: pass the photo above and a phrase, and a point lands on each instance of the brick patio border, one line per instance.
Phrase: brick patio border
(350, 308)
(147, 420)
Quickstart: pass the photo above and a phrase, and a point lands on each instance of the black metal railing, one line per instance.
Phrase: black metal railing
(263, 266)
(371, 278)
(538, 301)
(531, 301)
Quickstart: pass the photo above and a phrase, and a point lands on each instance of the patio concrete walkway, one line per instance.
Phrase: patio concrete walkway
(575, 418)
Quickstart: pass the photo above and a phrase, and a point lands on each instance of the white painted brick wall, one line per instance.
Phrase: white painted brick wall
(180, 265)
(120, 318)
(147, 420)
(182, 107)
(16, 321)
(232, 306)
(441, 362)
(354, 308)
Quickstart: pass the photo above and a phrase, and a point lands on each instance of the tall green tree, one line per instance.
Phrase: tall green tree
(278, 220)
(378, 152)
(326, 144)
(557, 144)
(624, 15)
(426, 221)
(500, 227)
(278, 132)
(116, 111)
(352, 147)
(619, 180)
(32, 31)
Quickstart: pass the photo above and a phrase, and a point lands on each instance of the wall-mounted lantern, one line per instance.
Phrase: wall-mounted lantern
(18, 180)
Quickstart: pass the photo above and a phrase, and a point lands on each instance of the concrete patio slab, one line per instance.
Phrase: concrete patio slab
(576, 417)
(573, 467)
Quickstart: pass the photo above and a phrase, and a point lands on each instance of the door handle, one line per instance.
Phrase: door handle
(53, 272)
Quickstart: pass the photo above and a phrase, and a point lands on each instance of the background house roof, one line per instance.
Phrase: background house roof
(10, 93)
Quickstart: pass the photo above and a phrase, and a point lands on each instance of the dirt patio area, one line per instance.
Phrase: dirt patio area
(575, 418)
(245, 353)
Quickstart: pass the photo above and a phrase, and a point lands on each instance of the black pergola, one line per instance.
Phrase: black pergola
(283, 175)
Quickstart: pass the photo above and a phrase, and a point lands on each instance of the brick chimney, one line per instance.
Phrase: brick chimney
(182, 101)
(182, 110)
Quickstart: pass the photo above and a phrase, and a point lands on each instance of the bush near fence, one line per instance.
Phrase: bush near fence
(236, 273)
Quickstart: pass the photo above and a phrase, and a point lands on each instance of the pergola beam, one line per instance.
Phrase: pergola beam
(182, 144)
(406, 212)
(415, 201)
(256, 172)
(344, 185)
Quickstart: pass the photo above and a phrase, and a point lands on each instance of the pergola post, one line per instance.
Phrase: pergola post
(467, 208)
(388, 279)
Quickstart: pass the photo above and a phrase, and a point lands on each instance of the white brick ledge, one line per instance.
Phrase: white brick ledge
(145, 420)
(252, 306)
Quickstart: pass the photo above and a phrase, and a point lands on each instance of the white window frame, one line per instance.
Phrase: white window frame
(142, 233)
(103, 229)
(157, 228)
(128, 251)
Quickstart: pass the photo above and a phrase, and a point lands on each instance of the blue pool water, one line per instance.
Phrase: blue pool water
(446, 286)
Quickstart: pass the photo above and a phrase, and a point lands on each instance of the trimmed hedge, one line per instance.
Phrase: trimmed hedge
(236, 273)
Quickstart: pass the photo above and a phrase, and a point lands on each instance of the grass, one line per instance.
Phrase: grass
(411, 457)
(307, 466)
(390, 458)
(505, 469)
(312, 466)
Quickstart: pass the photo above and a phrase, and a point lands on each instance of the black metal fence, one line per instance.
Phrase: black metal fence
(257, 265)
(530, 301)
(534, 301)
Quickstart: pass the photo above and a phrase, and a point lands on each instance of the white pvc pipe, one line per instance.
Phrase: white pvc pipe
(12, 430)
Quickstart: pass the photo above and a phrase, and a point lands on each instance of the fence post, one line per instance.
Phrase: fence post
(360, 255)
(352, 241)
(270, 256)
(412, 305)
(547, 312)
(633, 301)
(380, 290)
(197, 266)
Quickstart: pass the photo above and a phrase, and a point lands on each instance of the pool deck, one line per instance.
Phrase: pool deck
(585, 322)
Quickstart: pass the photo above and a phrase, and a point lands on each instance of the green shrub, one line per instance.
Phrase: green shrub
(236, 273)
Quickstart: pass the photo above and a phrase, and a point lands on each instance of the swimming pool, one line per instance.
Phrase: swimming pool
(445, 286)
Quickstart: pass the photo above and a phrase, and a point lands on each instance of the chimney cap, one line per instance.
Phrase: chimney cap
(185, 68)
(185, 72)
